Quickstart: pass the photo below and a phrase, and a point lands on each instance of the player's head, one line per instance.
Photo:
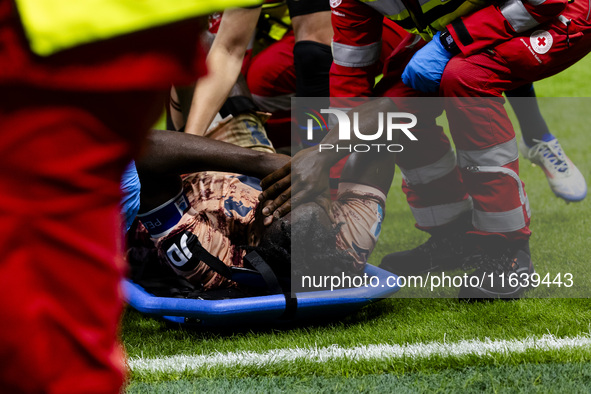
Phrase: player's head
(314, 249)
(304, 243)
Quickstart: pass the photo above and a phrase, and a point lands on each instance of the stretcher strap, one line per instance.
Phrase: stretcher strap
(203, 255)
(257, 262)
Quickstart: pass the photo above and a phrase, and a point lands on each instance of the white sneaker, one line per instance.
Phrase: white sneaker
(565, 179)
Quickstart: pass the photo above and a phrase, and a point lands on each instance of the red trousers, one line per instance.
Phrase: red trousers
(484, 177)
(271, 80)
(62, 155)
(63, 148)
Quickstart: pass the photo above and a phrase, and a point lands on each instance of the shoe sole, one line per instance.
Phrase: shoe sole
(571, 198)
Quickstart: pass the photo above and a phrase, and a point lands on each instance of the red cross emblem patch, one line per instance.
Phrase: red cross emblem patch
(541, 41)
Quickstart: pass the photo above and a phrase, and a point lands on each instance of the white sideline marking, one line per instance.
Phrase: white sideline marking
(181, 363)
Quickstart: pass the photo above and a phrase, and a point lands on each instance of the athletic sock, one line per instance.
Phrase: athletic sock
(532, 124)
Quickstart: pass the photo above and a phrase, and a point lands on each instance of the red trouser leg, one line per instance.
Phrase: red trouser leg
(483, 133)
(431, 178)
(62, 156)
(272, 82)
(432, 181)
(486, 145)
(484, 136)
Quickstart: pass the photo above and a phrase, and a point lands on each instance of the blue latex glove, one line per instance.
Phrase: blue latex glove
(130, 189)
(425, 69)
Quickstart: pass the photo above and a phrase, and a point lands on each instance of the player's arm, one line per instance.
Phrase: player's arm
(171, 152)
(307, 175)
(224, 62)
(371, 169)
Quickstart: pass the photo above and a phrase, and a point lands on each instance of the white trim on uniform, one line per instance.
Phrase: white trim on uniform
(497, 155)
(438, 215)
(518, 16)
(430, 172)
(498, 222)
(356, 56)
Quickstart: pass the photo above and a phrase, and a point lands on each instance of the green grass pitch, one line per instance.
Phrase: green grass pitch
(560, 243)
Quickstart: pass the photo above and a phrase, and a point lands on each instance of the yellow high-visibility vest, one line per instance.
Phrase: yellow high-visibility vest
(428, 16)
(277, 11)
(55, 25)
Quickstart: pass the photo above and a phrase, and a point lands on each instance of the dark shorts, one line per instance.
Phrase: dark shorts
(305, 7)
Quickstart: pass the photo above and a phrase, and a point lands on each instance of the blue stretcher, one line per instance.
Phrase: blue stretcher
(262, 309)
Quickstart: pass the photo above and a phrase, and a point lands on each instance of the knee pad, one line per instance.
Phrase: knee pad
(312, 61)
